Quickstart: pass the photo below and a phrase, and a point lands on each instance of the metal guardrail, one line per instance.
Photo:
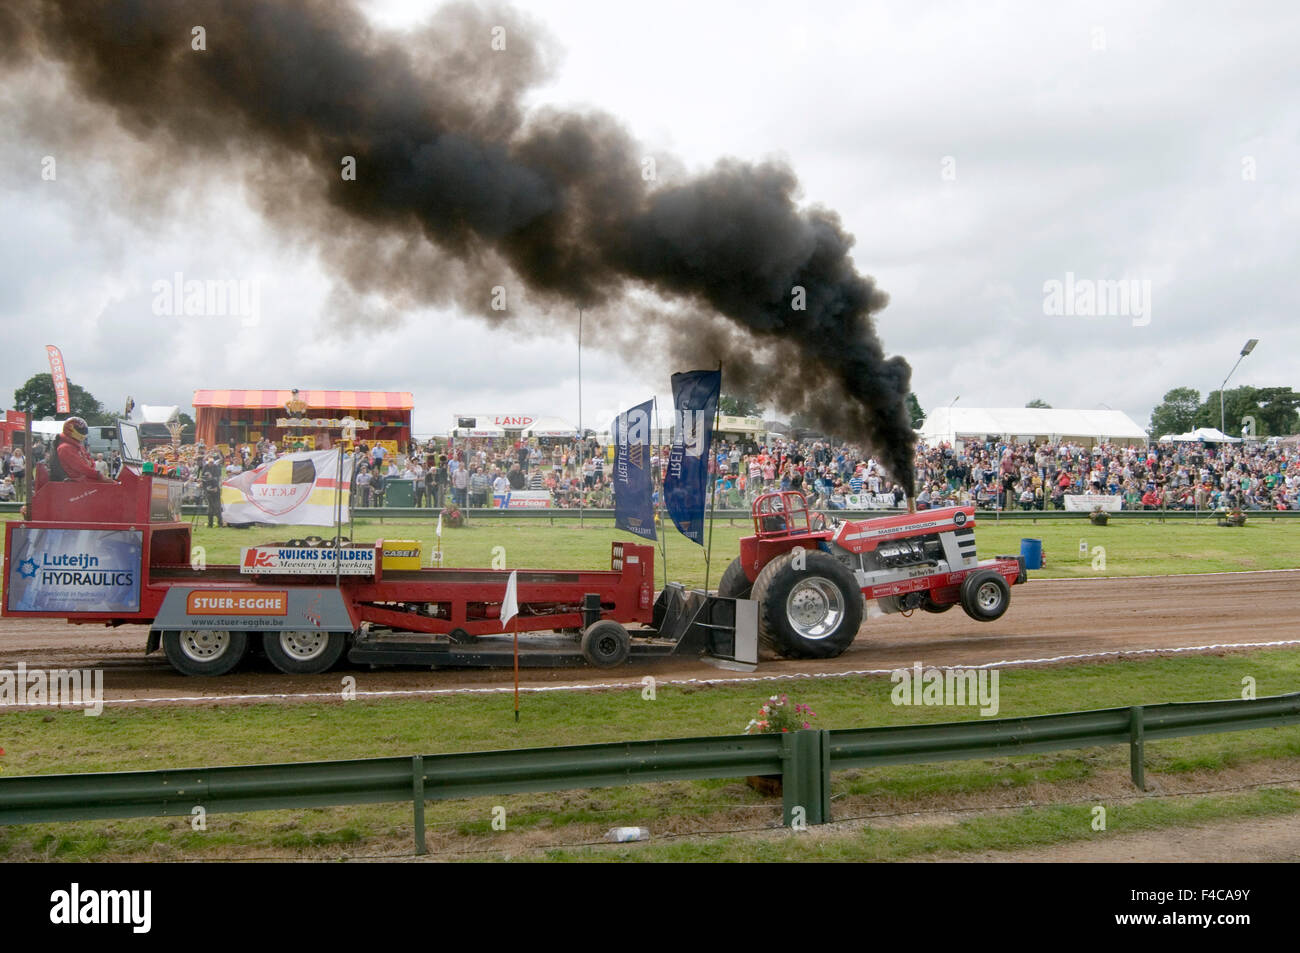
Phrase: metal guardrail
(986, 516)
(919, 744)
(804, 760)
(567, 513)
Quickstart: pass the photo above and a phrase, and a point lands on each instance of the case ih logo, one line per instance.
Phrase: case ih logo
(227, 602)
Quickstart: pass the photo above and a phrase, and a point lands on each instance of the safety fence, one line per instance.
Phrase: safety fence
(803, 760)
(564, 514)
(571, 514)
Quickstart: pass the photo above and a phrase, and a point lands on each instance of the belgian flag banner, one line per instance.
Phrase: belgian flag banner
(295, 489)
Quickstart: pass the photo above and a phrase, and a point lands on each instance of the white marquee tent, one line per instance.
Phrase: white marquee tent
(1208, 434)
(514, 426)
(1031, 424)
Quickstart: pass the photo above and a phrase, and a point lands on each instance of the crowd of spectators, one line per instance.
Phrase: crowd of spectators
(1175, 476)
(475, 474)
(991, 474)
(995, 474)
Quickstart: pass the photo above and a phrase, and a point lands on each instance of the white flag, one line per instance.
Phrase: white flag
(510, 604)
(297, 488)
(439, 529)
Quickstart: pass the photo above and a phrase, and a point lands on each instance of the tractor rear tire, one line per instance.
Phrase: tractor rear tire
(734, 584)
(985, 595)
(813, 612)
(606, 644)
(204, 652)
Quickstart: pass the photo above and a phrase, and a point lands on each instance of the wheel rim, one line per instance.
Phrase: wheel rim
(303, 646)
(814, 607)
(204, 645)
(989, 596)
(607, 647)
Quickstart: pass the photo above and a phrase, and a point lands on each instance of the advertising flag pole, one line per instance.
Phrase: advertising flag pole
(713, 502)
(510, 612)
(663, 469)
(338, 517)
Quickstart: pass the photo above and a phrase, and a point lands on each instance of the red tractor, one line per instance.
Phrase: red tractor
(810, 579)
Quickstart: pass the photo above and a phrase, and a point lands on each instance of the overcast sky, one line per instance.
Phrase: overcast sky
(977, 152)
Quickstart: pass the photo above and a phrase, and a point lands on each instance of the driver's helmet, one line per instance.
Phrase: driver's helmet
(74, 428)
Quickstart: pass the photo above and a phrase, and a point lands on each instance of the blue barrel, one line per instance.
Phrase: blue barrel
(1032, 552)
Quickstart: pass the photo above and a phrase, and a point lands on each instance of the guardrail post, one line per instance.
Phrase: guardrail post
(824, 767)
(1137, 748)
(417, 795)
(805, 777)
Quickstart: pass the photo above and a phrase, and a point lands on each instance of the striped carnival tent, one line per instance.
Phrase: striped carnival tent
(245, 416)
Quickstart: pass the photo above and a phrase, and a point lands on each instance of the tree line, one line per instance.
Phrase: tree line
(1274, 410)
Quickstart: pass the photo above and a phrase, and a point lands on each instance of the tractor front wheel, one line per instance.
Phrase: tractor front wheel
(985, 595)
(808, 608)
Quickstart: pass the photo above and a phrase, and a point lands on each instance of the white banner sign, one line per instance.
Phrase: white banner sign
(295, 489)
(868, 501)
(524, 500)
(308, 560)
(1087, 502)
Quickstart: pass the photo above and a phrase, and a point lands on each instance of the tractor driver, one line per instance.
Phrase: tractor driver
(71, 460)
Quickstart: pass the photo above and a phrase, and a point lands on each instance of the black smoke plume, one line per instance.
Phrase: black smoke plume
(458, 185)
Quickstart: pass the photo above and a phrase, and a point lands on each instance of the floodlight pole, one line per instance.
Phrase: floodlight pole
(1249, 346)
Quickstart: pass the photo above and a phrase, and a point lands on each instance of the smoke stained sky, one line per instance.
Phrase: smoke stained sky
(1072, 161)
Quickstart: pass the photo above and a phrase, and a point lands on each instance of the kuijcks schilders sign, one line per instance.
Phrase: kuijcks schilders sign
(308, 560)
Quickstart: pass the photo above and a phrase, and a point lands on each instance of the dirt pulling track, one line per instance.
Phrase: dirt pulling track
(1049, 621)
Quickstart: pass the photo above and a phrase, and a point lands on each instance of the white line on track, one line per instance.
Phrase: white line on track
(1170, 576)
(637, 683)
